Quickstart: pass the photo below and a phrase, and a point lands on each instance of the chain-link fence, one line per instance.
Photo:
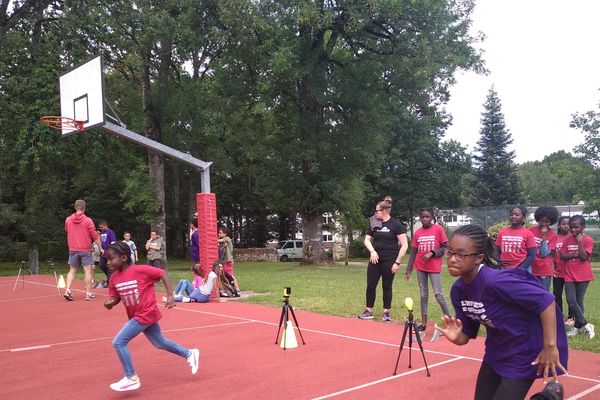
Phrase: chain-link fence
(489, 216)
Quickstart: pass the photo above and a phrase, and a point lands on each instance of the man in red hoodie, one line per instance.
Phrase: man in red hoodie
(81, 232)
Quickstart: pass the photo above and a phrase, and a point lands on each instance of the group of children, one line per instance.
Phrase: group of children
(561, 258)
(504, 286)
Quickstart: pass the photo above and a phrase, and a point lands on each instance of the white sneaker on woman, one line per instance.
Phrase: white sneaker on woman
(126, 384)
(589, 330)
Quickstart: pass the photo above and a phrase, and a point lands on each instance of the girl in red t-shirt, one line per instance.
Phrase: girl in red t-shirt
(545, 240)
(134, 286)
(575, 252)
(428, 246)
(558, 281)
(515, 245)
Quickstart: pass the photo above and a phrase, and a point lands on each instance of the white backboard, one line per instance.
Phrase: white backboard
(82, 94)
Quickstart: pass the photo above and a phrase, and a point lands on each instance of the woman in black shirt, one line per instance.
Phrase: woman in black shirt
(387, 244)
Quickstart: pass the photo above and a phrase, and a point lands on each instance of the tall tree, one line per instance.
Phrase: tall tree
(496, 169)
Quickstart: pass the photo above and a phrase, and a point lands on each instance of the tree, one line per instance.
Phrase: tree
(494, 163)
(589, 123)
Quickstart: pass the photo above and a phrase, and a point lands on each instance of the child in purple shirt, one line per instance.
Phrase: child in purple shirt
(523, 339)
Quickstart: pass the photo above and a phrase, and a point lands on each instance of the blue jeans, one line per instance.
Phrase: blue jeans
(133, 328)
(196, 295)
(184, 286)
(545, 281)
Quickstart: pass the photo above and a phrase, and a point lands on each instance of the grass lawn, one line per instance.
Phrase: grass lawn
(339, 290)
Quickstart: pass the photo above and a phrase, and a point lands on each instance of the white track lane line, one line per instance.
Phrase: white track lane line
(389, 378)
(46, 346)
(585, 392)
(30, 298)
(357, 339)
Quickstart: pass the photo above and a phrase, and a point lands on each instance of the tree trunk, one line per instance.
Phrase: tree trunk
(156, 162)
(313, 240)
(33, 259)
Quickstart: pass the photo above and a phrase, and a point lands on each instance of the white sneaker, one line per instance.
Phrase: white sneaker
(194, 360)
(573, 332)
(164, 299)
(126, 384)
(589, 331)
(186, 300)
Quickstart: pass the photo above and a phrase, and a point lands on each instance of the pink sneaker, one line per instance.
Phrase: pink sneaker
(126, 384)
(570, 322)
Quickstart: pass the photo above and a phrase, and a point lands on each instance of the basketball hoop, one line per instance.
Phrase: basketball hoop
(62, 123)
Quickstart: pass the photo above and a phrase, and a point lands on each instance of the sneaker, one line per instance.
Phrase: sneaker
(186, 300)
(553, 390)
(194, 360)
(589, 331)
(126, 384)
(570, 322)
(386, 317)
(573, 332)
(68, 295)
(164, 299)
(421, 328)
(366, 315)
(90, 297)
(98, 285)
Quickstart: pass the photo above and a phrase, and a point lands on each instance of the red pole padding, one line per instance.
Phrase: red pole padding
(206, 204)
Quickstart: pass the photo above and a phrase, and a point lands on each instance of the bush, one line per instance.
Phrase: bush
(358, 249)
(596, 252)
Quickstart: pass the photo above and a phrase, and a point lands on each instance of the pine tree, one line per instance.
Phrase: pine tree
(495, 167)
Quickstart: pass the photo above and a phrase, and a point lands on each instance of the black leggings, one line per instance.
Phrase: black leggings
(491, 386)
(383, 270)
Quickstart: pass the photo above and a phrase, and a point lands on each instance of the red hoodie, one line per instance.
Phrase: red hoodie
(80, 232)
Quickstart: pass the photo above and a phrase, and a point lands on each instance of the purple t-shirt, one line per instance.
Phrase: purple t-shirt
(508, 303)
(194, 250)
(107, 237)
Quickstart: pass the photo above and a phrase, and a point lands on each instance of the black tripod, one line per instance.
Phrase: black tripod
(411, 327)
(283, 320)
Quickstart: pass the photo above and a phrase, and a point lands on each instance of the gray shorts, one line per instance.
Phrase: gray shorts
(80, 259)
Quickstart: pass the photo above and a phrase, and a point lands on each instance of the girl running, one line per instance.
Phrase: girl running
(525, 334)
(135, 287)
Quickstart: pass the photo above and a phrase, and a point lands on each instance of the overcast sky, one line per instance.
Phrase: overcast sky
(543, 59)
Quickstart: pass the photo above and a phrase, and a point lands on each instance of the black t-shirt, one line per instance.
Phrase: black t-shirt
(385, 238)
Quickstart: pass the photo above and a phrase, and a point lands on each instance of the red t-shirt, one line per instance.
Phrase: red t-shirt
(135, 287)
(559, 265)
(425, 240)
(513, 244)
(575, 269)
(542, 266)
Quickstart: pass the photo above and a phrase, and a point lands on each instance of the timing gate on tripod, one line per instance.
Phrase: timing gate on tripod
(410, 327)
(288, 337)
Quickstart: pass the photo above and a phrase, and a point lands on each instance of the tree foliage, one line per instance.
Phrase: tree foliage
(494, 162)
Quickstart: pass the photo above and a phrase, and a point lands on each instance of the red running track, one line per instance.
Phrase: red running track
(54, 349)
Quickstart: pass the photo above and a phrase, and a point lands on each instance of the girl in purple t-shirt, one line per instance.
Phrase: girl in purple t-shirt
(525, 335)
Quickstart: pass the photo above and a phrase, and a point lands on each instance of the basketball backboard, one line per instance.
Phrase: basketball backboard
(82, 94)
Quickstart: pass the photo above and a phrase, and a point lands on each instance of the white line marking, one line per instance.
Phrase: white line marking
(389, 378)
(359, 339)
(28, 298)
(581, 394)
(46, 346)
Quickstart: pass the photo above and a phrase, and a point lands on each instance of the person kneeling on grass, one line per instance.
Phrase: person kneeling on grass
(134, 286)
(525, 333)
(201, 294)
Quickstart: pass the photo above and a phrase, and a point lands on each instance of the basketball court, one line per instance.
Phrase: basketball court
(54, 349)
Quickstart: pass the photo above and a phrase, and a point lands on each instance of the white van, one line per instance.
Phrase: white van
(289, 250)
